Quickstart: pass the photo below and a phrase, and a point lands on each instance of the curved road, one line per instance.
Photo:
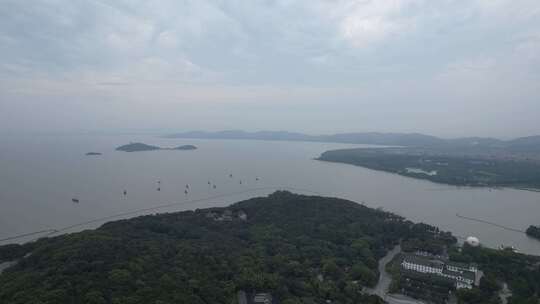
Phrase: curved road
(381, 289)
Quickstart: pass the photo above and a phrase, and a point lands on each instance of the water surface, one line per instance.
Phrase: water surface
(39, 175)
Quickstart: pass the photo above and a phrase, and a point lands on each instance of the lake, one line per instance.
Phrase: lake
(39, 176)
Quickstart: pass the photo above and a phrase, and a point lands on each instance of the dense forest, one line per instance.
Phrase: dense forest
(302, 249)
(452, 169)
(521, 273)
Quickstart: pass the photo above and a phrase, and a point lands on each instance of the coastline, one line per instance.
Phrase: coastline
(522, 188)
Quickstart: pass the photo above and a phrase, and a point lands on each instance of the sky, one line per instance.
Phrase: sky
(448, 67)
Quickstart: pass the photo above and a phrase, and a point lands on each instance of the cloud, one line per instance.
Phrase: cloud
(365, 23)
(211, 51)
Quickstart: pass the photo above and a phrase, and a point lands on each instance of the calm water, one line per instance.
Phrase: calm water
(40, 175)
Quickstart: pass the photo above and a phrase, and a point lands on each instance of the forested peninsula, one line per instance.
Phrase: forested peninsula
(299, 248)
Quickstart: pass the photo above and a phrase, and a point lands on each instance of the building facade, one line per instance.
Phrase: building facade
(463, 275)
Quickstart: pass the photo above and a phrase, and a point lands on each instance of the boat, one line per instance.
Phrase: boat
(75, 200)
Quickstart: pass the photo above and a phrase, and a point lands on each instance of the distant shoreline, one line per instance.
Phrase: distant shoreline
(445, 170)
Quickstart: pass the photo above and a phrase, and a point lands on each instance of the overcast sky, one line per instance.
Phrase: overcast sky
(444, 67)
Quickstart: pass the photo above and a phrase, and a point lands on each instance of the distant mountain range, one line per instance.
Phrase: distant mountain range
(522, 144)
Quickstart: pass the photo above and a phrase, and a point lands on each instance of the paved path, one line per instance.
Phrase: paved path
(401, 299)
(381, 289)
(384, 278)
(505, 293)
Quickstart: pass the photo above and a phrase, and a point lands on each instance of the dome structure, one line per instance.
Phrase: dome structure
(472, 241)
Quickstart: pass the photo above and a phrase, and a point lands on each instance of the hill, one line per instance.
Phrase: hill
(139, 147)
(358, 138)
(301, 249)
(485, 145)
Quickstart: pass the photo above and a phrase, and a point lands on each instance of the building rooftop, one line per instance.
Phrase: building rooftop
(465, 274)
(459, 264)
(263, 298)
(414, 259)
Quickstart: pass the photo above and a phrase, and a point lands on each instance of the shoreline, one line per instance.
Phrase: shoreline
(494, 187)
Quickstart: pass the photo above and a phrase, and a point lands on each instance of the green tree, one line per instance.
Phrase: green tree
(94, 297)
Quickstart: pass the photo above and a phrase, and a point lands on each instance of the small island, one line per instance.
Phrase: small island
(534, 232)
(139, 147)
(185, 147)
(93, 154)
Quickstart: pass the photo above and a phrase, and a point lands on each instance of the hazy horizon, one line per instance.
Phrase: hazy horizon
(167, 132)
(444, 68)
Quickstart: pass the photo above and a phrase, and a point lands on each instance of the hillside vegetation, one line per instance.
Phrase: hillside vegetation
(452, 169)
(302, 249)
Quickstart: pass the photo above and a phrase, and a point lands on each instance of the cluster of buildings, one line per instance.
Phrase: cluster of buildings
(227, 215)
(462, 274)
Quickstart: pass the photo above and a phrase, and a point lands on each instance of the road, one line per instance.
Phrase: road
(381, 289)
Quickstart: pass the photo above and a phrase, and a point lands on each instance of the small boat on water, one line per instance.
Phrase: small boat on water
(215, 186)
(125, 192)
(185, 192)
(75, 200)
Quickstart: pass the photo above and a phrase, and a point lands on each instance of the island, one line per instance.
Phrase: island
(93, 153)
(533, 231)
(446, 166)
(139, 147)
(185, 147)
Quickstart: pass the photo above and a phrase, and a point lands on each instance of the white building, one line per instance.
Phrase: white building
(462, 274)
(423, 265)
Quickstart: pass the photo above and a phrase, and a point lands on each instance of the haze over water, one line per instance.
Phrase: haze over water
(41, 174)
